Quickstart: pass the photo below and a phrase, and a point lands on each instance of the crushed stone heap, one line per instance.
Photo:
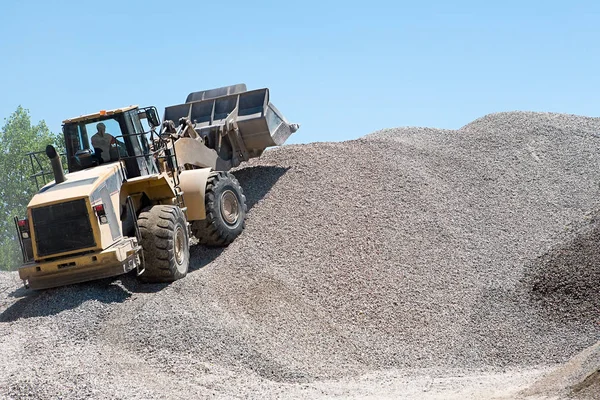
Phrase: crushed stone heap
(407, 248)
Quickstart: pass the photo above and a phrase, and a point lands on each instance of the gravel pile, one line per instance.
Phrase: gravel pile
(409, 248)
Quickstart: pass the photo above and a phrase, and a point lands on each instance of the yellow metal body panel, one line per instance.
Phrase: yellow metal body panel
(79, 185)
(193, 185)
(118, 259)
(157, 187)
(194, 152)
(106, 238)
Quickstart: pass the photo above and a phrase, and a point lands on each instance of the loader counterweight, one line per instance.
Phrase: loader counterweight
(119, 259)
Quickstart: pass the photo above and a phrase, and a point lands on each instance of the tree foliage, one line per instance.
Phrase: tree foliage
(18, 137)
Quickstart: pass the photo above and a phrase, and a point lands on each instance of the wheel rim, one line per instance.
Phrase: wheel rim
(230, 207)
(179, 245)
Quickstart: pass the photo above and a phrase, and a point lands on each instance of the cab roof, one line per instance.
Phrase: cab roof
(99, 114)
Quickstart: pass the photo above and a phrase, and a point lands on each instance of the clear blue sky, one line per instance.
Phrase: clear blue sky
(340, 68)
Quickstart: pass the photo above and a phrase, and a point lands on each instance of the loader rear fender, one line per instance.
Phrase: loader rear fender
(193, 186)
(156, 188)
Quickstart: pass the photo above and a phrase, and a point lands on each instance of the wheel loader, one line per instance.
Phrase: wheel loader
(137, 189)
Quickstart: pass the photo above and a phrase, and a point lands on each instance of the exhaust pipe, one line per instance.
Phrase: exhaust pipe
(59, 175)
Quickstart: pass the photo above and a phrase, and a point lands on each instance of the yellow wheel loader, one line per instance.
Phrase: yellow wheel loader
(137, 188)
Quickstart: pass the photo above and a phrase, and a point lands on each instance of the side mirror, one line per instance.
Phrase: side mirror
(152, 116)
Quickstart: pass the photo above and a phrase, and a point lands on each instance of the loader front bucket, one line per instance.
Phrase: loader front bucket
(260, 123)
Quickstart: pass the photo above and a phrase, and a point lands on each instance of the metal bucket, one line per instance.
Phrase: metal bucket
(260, 123)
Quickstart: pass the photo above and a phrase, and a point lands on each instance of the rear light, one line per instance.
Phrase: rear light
(101, 213)
(23, 225)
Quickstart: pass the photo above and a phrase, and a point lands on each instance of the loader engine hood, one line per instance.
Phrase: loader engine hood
(77, 215)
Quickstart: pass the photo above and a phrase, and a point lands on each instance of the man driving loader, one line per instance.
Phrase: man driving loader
(105, 142)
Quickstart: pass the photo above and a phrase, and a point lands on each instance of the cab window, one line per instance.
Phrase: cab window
(93, 143)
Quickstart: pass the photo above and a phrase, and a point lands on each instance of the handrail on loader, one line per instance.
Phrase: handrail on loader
(37, 167)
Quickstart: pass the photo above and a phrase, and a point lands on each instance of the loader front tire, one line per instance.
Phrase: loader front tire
(225, 206)
(165, 243)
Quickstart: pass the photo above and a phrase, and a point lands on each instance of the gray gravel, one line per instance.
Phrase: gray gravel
(411, 248)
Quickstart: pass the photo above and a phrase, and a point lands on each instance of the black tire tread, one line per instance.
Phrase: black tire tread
(157, 226)
(209, 231)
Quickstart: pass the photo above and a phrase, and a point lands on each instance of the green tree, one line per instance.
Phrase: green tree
(18, 137)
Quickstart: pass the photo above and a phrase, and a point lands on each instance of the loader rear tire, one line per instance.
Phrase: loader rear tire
(226, 208)
(165, 243)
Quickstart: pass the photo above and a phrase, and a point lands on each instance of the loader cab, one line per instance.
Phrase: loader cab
(112, 136)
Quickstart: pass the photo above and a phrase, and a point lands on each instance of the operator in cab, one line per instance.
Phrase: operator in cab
(105, 142)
